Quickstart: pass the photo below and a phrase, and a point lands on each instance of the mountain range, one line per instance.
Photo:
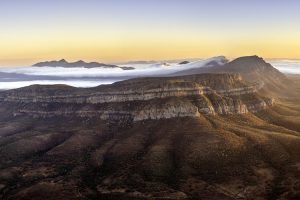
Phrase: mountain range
(226, 130)
(80, 63)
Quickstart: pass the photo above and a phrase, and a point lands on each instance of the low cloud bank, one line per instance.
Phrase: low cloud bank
(74, 83)
(287, 66)
(85, 77)
(79, 72)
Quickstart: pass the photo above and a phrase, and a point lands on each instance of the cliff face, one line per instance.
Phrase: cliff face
(142, 99)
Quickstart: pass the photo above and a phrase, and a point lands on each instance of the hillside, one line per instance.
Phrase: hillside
(207, 136)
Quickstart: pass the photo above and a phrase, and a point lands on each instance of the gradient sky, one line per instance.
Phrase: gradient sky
(121, 30)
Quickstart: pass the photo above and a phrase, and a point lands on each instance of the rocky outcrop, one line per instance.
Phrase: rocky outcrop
(148, 112)
(149, 109)
(130, 95)
(142, 99)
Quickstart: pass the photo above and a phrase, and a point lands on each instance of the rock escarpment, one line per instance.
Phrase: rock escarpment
(142, 99)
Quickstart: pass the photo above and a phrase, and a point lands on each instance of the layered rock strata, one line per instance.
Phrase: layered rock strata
(142, 99)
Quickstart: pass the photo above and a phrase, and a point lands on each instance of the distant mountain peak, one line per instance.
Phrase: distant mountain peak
(79, 63)
(248, 58)
(250, 63)
(62, 60)
(252, 68)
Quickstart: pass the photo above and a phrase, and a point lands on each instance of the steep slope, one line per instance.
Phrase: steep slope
(252, 69)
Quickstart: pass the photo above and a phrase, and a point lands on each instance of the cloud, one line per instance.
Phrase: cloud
(286, 66)
(140, 70)
(84, 77)
(74, 83)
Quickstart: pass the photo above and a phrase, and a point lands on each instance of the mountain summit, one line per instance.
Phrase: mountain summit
(252, 69)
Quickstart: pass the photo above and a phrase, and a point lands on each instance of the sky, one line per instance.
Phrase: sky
(124, 30)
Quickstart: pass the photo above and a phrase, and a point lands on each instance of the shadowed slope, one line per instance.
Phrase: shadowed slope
(205, 157)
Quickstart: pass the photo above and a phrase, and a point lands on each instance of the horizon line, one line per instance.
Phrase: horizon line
(124, 61)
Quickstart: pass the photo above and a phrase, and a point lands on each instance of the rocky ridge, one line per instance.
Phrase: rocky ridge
(143, 99)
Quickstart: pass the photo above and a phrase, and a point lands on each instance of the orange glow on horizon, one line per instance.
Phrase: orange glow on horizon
(112, 47)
